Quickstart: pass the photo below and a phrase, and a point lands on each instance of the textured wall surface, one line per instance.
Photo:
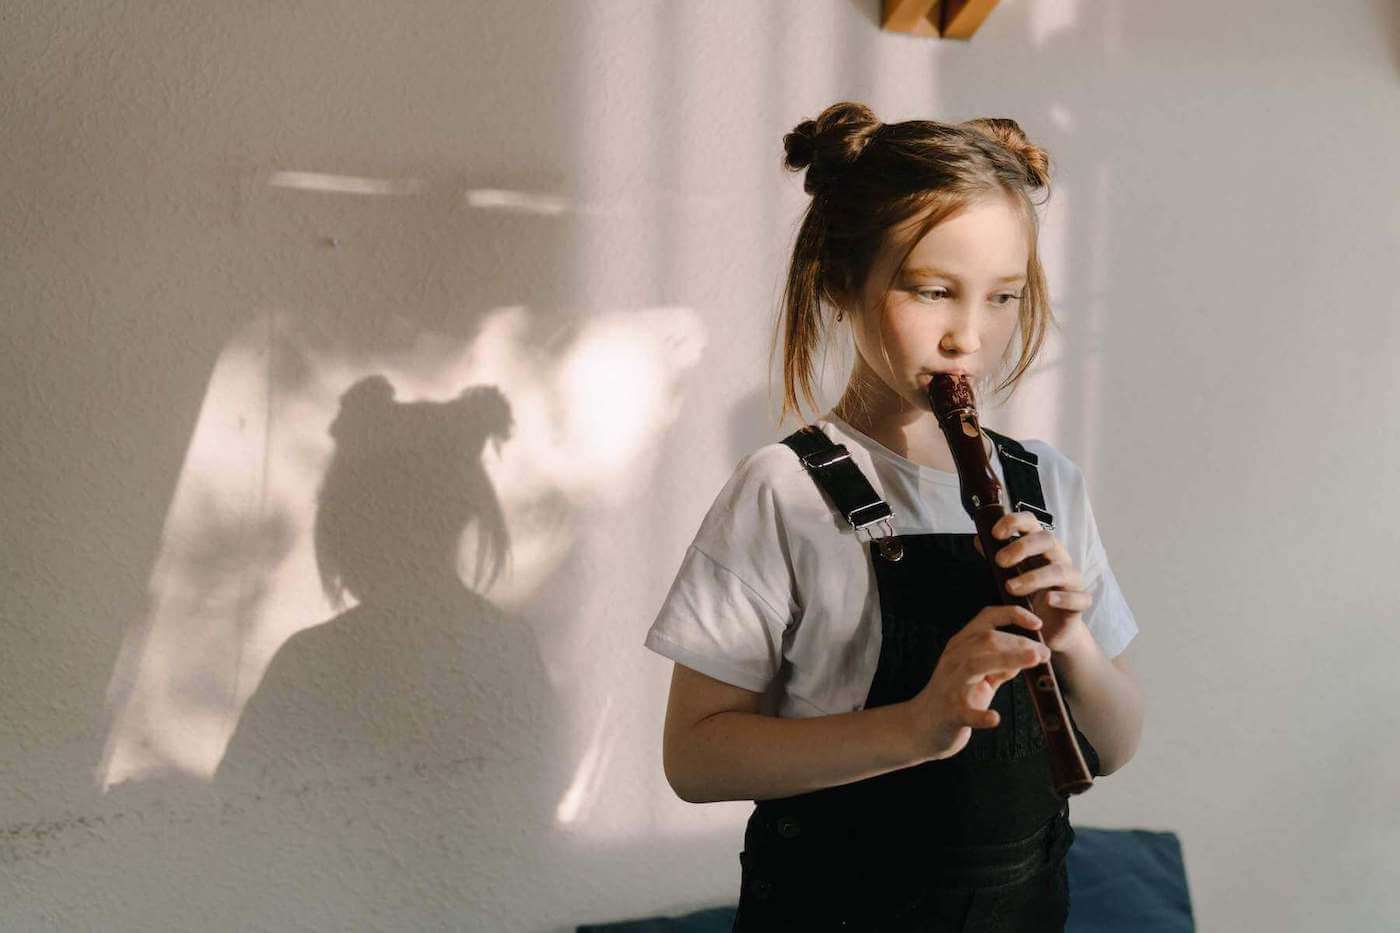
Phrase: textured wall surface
(368, 367)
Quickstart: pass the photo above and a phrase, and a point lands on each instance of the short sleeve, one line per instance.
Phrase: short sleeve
(731, 601)
(1109, 619)
(715, 623)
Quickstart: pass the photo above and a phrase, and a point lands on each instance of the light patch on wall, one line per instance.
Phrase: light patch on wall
(1050, 17)
(587, 786)
(1091, 338)
(345, 184)
(501, 199)
(236, 574)
(229, 558)
(610, 379)
(523, 202)
(1037, 409)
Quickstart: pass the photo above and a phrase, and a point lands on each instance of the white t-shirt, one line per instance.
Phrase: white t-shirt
(776, 594)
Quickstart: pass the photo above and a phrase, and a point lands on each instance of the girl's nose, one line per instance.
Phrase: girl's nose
(959, 340)
(960, 335)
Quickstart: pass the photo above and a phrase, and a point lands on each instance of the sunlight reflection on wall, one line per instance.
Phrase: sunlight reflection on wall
(236, 575)
(1049, 19)
(1037, 408)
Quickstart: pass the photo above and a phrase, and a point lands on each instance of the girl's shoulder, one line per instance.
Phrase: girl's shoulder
(1061, 479)
(776, 470)
(1049, 458)
(771, 473)
(768, 493)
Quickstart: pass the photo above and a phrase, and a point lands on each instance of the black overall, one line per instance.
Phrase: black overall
(969, 843)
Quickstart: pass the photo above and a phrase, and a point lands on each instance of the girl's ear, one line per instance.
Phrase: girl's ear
(845, 299)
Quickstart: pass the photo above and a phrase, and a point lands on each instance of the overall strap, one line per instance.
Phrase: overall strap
(832, 468)
(1022, 477)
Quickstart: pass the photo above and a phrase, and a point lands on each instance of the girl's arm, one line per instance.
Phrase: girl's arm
(1106, 700)
(717, 746)
(738, 754)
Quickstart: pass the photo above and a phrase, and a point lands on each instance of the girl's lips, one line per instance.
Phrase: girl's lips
(926, 379)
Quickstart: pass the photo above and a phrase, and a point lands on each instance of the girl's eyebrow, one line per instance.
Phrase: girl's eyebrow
(932, 270)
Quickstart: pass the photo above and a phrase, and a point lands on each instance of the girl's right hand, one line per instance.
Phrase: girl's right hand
(974, 663)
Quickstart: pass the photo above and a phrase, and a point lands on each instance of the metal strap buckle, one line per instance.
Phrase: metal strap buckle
(1007, 453)
(861, 508)
(831, 456)
(891, 548)
(1038, 513)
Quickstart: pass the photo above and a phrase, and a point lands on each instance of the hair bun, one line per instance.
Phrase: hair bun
(361, 405)
(1009, 133)
(829, 144)
(800, 145)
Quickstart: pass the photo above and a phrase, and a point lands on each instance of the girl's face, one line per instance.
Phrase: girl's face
(952, 307)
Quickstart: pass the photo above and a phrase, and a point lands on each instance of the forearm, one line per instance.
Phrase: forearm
(748, 756)
(1106, 701)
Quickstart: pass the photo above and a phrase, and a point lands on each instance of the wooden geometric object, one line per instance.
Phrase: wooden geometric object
(950, 19)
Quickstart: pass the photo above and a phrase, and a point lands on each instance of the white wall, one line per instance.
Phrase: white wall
(180, 329)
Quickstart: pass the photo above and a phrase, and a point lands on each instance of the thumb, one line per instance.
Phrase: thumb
(982, 718)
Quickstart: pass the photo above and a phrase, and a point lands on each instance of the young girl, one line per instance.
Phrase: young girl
(868, 697)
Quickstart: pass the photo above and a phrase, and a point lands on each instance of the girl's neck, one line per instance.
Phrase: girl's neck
(888, 418)
(912, 434)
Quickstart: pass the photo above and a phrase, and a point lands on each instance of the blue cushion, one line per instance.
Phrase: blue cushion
(1119, 879)
(1127, 879)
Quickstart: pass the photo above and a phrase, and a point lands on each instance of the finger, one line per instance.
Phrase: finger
(1005, 526)
(1041, 578)
(1033, 542)
(995, 679)
(981, 718)
(1019, 615)
(994, 617)
(1014, 522)
(1010, 641)
(1006, 660)
(1070, 600)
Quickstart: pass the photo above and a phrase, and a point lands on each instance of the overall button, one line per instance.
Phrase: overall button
(762, 890)
(788, 827)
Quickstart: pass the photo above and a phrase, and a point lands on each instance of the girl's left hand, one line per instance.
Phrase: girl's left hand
(1056, 591)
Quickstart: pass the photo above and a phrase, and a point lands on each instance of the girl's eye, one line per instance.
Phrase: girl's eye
(1007, 297)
